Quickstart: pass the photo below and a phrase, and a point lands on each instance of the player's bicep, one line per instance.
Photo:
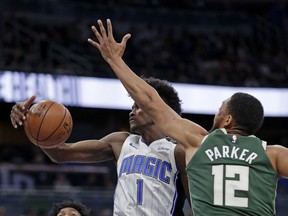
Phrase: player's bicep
(278, 156)
(81, 152)
(186, 132)
(91, 151)
(281, 160)
(87, 151)
(107, 148)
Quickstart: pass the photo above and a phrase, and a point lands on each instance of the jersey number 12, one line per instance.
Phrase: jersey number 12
(224, 186)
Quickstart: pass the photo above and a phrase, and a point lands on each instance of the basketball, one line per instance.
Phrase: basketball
(48, 124)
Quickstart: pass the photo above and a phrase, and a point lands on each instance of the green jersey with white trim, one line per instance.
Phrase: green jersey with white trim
(232, 175)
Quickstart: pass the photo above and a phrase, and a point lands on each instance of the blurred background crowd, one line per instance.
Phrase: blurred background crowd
(208, 42)
(216, 42)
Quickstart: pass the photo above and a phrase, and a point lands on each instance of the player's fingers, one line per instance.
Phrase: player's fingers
(13, 121)
(28, 103)
(110, 30)
(16, 116)
(93, 43)
(97, 34)
(102, 29)
(18, 112)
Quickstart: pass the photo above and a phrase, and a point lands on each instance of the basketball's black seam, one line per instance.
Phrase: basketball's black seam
(42, 122)
(56, 128)
(29, 130)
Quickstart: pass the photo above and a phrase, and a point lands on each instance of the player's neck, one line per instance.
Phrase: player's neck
(237, 131)
(148, 138)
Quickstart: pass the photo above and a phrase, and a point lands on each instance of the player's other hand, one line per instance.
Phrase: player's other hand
(19, 111)
(106, 44)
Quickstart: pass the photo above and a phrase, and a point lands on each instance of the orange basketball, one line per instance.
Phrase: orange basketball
(48, 124)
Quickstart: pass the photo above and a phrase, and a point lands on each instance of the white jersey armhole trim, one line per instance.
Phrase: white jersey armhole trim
(223, 130)
(204, 138)
(264, 145)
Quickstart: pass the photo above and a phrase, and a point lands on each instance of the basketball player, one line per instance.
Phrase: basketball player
(152, 179)
(230, 171)
(69, 207)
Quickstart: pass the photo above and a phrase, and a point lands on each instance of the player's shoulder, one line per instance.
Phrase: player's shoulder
(119, 136)
(133, 138)
(276, 151)
(275, 148)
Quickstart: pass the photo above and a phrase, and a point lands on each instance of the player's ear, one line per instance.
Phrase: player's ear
(228, 121)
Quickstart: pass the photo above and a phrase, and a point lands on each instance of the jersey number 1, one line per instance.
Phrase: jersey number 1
(139, 191)
(224, 186)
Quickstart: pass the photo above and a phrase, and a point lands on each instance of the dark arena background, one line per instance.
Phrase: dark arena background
(222, 43)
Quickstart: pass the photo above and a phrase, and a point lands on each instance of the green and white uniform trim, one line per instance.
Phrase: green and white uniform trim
(232, 175)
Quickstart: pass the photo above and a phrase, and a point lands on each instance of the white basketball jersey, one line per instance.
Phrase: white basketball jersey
(146, 178)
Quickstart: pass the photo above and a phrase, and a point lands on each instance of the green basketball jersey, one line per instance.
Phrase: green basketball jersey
(232, 175)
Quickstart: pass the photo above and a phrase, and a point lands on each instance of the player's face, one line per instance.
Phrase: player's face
(138, 120)
(219, 118)
(68, 212)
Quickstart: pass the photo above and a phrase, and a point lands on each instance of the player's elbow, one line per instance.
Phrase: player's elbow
(57, 160)
(150, 100)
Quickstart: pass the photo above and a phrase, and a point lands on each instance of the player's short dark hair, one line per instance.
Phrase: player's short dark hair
(82, 209)
(167, 92)
(247, 111)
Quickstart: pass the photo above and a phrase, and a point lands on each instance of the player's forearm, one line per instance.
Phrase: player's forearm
(139, 90)
(53, 154)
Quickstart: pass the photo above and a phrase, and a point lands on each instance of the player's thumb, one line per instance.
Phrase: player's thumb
(125, 39)
(29, 101)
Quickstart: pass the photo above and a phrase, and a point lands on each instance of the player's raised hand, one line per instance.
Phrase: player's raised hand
(19, 111)
(106, 44)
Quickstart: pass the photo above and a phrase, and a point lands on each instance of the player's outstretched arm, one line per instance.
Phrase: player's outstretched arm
(185, 132)
(87, 151)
